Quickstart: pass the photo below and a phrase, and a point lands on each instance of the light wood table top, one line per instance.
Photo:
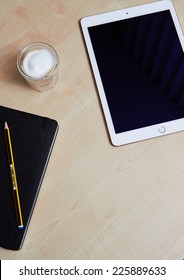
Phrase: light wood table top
(96, 201)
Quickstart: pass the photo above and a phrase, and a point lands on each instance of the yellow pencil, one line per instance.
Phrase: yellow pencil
(13, 177)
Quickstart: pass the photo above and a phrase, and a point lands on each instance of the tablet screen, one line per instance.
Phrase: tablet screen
(141, 65)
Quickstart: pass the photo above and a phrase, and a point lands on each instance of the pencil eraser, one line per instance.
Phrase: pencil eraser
(21, 227)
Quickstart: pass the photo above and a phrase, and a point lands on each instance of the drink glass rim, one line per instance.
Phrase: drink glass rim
(22, 51)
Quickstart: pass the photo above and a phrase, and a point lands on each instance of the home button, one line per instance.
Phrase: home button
(162, 129)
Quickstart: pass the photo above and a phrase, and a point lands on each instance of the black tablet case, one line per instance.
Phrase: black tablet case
(32, 139)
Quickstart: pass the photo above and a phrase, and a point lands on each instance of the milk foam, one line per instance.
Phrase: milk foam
(38, 63)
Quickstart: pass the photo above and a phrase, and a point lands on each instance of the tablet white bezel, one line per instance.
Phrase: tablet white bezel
(145, 132)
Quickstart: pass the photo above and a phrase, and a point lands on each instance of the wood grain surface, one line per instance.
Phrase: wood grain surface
(97, 201)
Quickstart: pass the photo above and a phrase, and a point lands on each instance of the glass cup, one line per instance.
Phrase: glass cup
(38, 63)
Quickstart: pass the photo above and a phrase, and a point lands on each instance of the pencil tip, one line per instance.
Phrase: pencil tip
(5, 125)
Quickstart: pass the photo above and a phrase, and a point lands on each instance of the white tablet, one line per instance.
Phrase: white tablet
(137, 57)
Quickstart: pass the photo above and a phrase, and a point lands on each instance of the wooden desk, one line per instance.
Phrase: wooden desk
(97, 201)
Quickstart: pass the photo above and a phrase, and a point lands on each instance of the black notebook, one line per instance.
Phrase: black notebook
(32, 140)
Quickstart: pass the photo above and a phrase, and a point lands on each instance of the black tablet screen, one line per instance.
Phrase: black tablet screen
(141, 64)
